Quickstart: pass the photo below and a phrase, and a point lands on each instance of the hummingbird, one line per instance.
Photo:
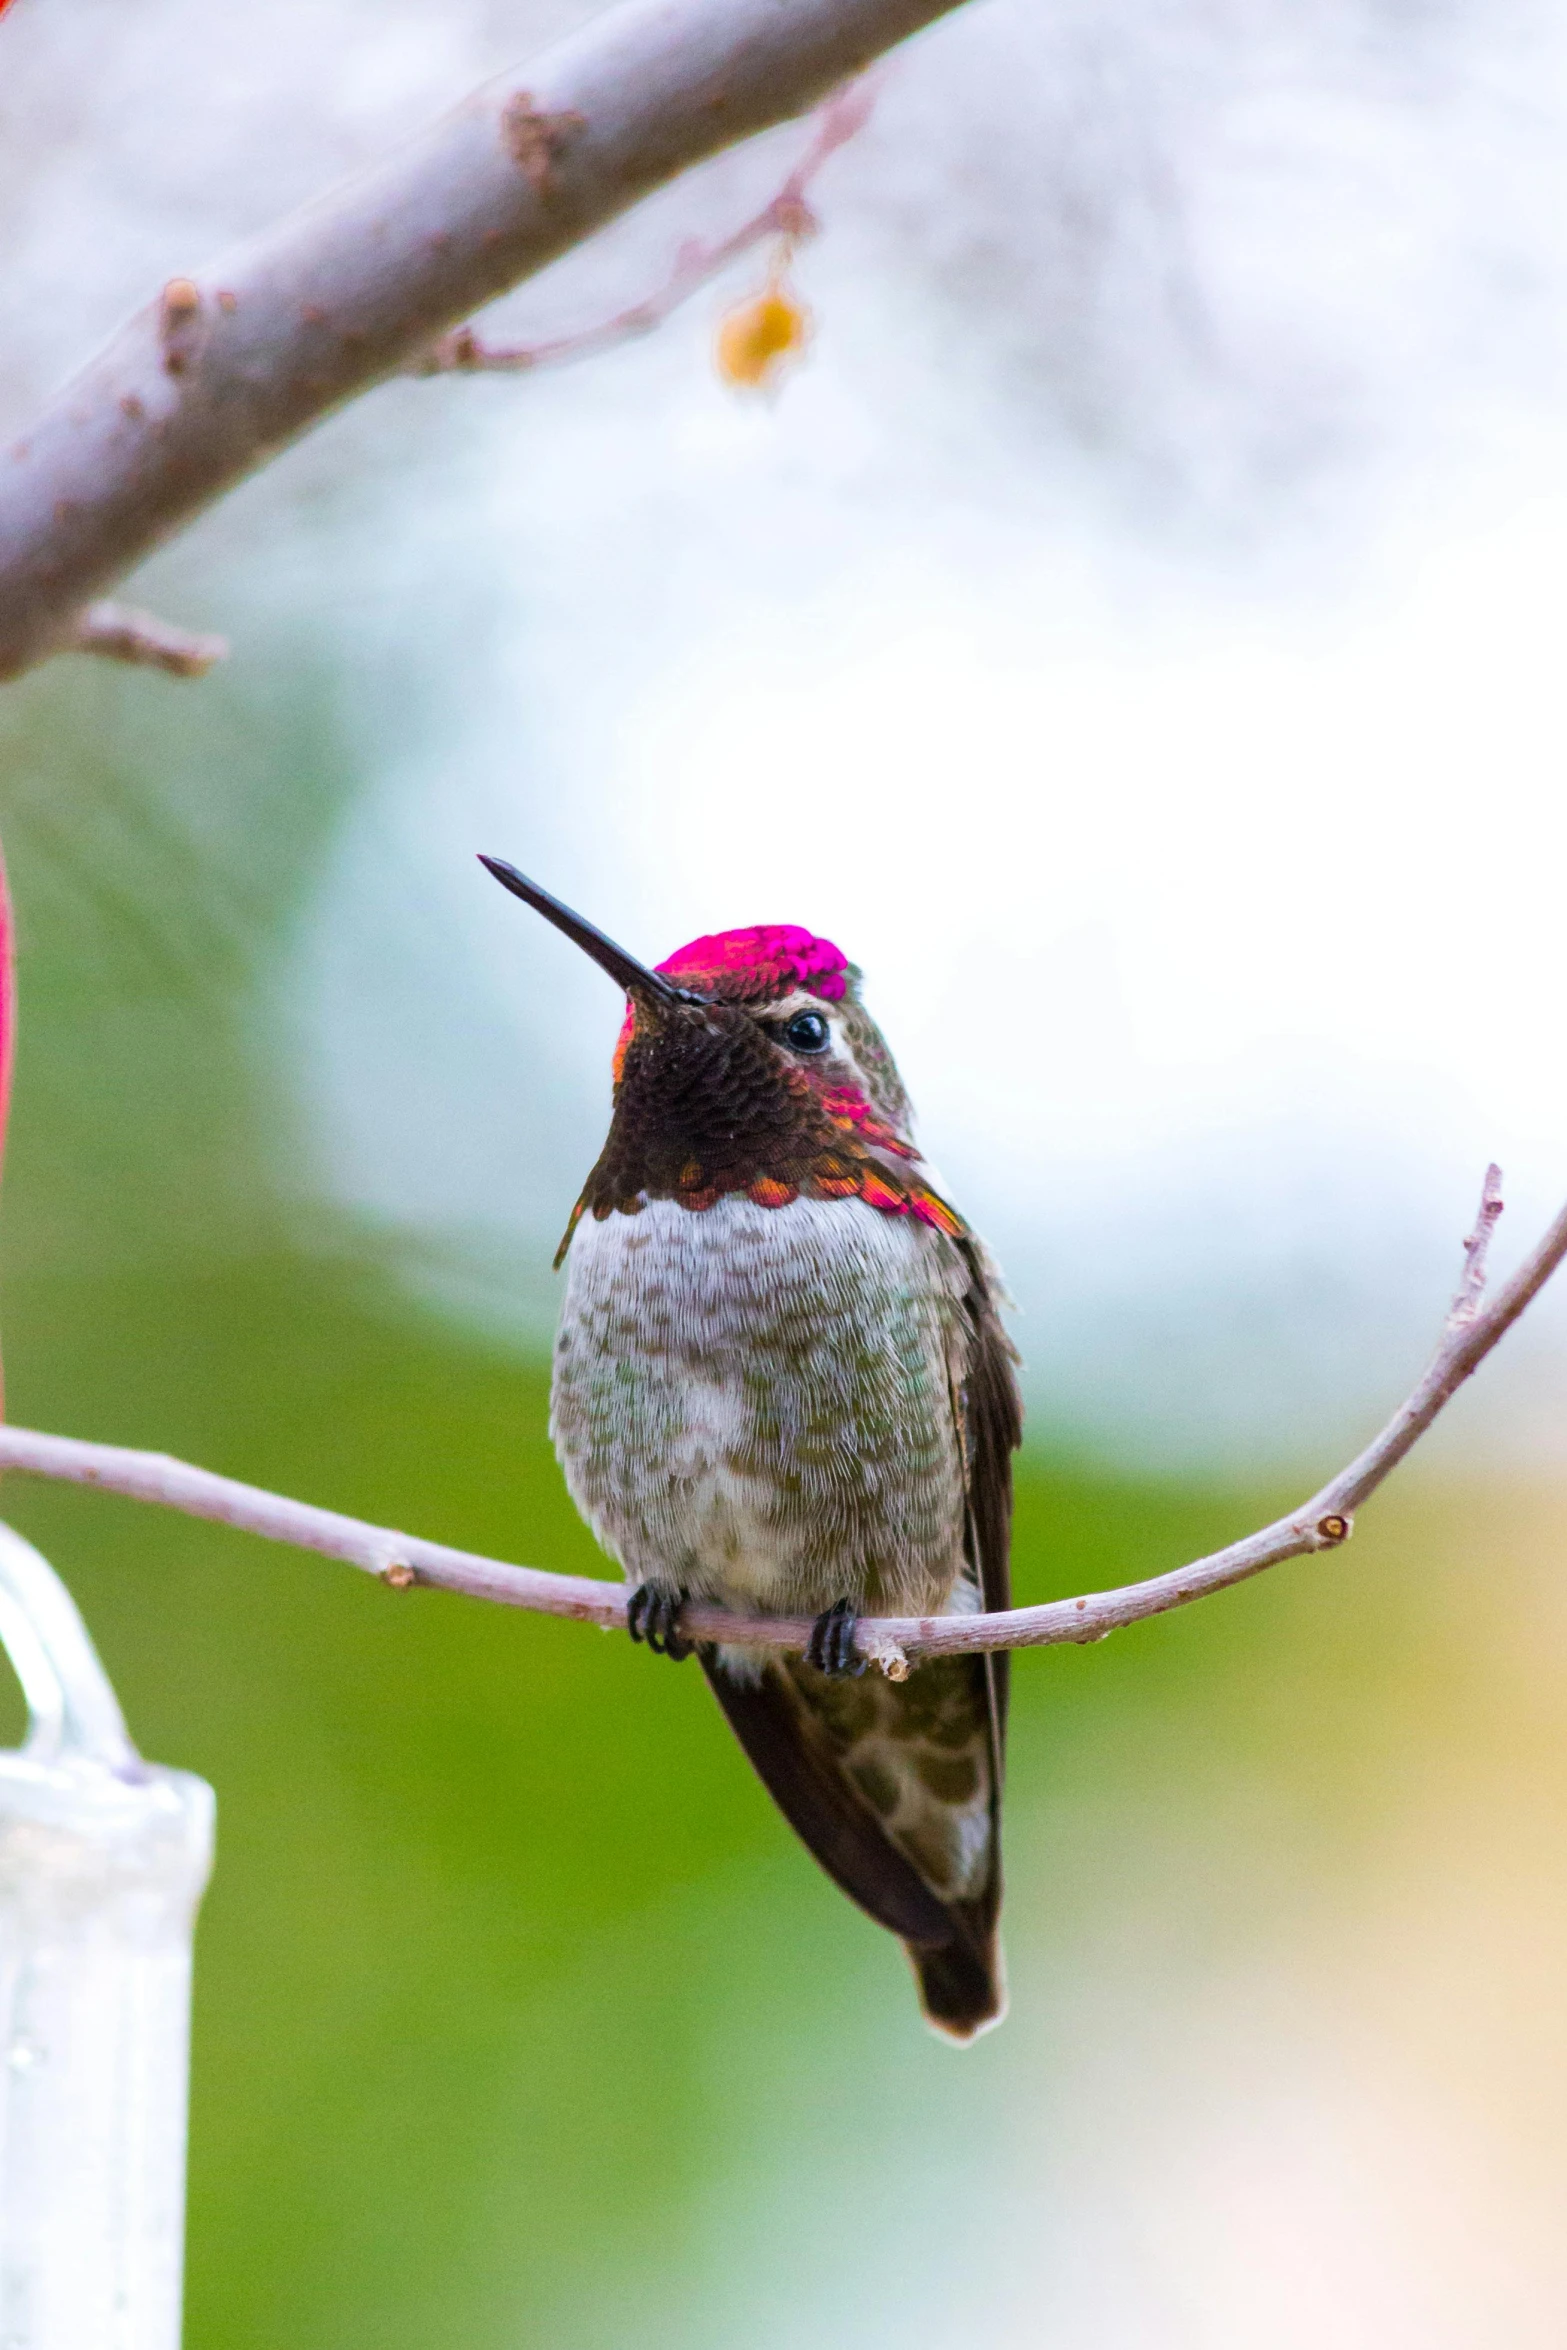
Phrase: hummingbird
(781, 1384)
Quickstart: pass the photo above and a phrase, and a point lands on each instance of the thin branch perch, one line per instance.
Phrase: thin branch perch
(1323, 1523)
(696, 265)
(228, 366)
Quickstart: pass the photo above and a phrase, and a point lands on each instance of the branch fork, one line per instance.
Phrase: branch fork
(787, 216)
(536, 139)
(229, 365)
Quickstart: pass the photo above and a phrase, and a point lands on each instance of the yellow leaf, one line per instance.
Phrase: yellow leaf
(757, 337)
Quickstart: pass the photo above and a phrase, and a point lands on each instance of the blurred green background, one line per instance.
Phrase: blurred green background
(520, 2017)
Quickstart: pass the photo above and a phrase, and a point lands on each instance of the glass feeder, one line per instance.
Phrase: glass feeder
(103, 1860)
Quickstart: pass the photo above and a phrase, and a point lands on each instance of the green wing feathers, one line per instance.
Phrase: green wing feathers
(896, 1786)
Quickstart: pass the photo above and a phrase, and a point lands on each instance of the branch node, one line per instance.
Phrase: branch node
(879, 1648)
(793, 217)
(1334, 1529)
(400, 1575)
(181, 329)
(535, 139)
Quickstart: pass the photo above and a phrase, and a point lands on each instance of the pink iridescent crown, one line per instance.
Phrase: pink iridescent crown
(761, 964)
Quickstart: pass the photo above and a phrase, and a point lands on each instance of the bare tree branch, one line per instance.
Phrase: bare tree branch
(788, 215)
(229, 366)
(895, 1643)
(121, 633)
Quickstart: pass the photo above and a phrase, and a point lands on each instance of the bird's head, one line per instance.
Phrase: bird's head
(746, 1063)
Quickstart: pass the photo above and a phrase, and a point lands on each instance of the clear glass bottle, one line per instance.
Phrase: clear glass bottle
(103, 1861)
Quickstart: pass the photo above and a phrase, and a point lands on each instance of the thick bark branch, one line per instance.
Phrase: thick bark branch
(895, 1643)
(226, 368)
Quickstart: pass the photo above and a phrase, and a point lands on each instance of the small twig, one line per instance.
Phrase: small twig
(787, 215)
(1323, 1523)
(1472, 1287)
(118, 632)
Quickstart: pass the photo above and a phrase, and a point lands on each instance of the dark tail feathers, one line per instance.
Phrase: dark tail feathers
(962, 1989)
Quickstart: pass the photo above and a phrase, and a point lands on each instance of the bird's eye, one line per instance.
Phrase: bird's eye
(808, 1032)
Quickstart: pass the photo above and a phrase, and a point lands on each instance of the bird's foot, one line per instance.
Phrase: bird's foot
(831, 1645)
(654, 1616)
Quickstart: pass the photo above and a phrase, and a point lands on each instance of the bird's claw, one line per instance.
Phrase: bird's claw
(831, 1645)
(653, 1615)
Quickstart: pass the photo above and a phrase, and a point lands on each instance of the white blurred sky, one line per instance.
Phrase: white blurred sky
(1133, 637)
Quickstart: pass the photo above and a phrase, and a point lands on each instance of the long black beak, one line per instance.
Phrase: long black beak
(637, 980)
